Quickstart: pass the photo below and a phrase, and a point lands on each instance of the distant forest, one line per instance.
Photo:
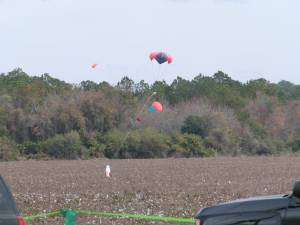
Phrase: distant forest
(45, 118)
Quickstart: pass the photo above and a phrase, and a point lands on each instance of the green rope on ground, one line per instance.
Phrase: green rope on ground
(70, 216)
(135, 216)
(42, 216)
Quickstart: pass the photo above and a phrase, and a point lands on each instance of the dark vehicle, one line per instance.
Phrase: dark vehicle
(9, 213)
(270, 210)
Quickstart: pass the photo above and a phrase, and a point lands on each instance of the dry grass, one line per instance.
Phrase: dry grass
(167, 187)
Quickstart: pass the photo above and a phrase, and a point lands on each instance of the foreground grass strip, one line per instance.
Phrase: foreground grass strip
(42, 216)
(135, 216)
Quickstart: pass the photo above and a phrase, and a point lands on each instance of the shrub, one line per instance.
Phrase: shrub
(30, 148)
(295, 145)
(147, 143)
(197, 125)
(190, 145)
(8, 149)
(66, 146)
(112, 141)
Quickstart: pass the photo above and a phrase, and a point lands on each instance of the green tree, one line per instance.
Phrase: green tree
(64, 146)
(189, 145)
(88, 85)
(126, 84)
(8, 149)
(197, 125)
(142, 88)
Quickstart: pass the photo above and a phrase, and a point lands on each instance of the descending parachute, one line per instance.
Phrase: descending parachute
(155, 107)
(94, 66)
(151, 109)
(161, 57)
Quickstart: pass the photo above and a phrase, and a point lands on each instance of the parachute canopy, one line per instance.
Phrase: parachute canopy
(151, 109)
(155, 107)
(94, 66)
(161, 57)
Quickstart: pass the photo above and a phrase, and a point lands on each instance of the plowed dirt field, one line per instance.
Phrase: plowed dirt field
(166, 187)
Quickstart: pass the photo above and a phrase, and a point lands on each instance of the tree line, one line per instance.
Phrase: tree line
(44, 117)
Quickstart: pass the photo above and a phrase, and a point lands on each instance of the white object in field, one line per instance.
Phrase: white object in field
(107, 171)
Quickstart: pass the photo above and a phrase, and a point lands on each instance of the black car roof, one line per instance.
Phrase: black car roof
(7, 202)
(257, 204)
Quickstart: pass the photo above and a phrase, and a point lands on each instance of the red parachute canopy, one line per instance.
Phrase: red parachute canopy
(152, 55)
(161, 57)
(157, 106)
(169, 59)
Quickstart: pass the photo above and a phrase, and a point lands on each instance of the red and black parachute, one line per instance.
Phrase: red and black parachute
(161, 57)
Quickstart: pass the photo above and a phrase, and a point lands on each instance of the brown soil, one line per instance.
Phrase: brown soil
(166, 187)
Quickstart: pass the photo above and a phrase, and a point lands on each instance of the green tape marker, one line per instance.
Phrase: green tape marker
(70, 216)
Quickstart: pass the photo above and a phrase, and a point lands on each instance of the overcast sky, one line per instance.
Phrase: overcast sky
(247, 39)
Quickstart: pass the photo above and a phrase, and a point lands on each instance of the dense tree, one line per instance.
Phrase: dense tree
(197, 125)
(41, 116)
